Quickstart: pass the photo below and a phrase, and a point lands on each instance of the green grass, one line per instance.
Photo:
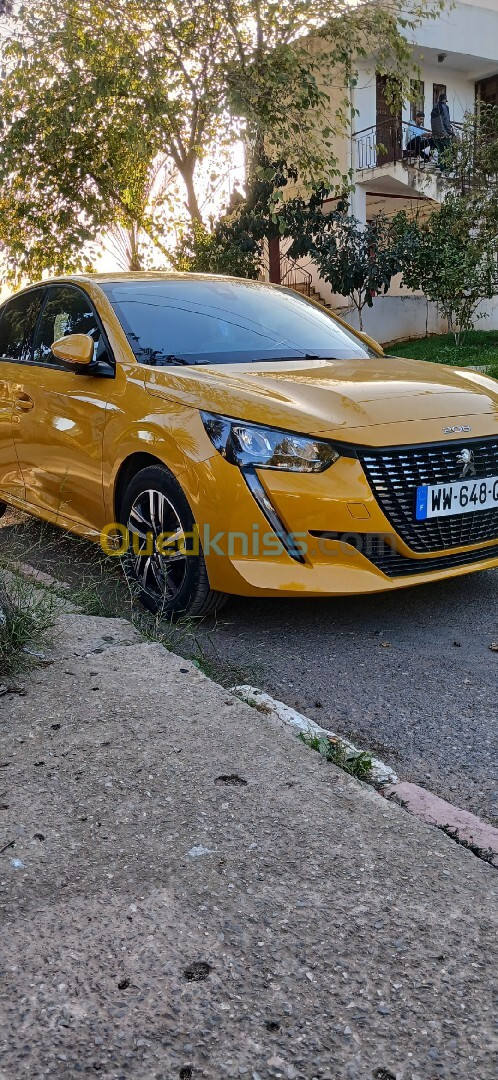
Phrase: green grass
(27, 612)
(479, 348)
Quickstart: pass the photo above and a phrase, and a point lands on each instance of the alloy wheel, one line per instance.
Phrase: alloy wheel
(159, 573)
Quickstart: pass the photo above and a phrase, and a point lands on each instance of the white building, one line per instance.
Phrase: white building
(457, 53)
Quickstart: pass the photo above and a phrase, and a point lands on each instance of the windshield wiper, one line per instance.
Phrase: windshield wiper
(301, 356)
(170, 358)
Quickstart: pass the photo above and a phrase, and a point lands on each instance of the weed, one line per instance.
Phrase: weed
(100, 586)
(101, 590)
(26, 613)
(222, 671)
(96, 583)
(355, 762)
(172, 633)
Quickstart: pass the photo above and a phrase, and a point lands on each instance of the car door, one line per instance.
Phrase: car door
(18, 318)
(58, 436)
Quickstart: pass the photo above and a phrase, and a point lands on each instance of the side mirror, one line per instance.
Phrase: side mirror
(75, 349)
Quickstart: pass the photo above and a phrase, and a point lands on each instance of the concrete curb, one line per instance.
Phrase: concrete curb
(463, 827)
(381, 773)
(38, 577)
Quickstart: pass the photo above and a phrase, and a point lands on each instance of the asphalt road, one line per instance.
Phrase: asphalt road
(409, 675)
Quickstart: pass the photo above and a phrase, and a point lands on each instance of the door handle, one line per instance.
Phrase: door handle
(24, 403)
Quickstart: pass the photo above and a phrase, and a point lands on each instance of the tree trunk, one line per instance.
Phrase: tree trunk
(133, 250)
(192, 202)
(274, 259)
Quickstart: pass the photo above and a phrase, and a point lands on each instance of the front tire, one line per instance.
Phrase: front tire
(173, 584)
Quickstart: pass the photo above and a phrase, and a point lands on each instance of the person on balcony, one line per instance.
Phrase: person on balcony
(418, 140)
(442, 131)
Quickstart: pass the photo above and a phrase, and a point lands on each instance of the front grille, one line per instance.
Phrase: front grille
(395, 474)
(393, 564)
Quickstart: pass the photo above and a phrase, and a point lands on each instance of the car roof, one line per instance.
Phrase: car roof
(139, 275)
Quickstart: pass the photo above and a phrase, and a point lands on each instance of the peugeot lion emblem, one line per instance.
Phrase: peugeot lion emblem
(466, 458)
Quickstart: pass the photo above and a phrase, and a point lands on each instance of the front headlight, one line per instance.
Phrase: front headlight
(245, 444)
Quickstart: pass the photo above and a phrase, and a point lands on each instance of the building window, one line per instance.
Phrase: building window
(437, 89)
(487, 91)
(417, 97)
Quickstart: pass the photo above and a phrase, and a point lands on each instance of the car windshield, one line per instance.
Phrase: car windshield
(202, 321)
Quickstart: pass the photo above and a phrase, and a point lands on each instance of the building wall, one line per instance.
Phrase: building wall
(399, 314)
(467, 28)
(393, 318)
(466, 32)
(488, 5)
(460, 88)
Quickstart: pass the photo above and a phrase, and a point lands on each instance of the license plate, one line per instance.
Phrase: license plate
(462, 497)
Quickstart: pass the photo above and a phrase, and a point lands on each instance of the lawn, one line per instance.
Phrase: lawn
(479, 348)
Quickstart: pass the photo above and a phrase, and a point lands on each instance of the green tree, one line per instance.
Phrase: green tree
(268, 214)
(284, 55)
(452, 259)
(94, 94)
(473, 167)
(155, 196)
(287, 52)
(358, 261)
(204, 252)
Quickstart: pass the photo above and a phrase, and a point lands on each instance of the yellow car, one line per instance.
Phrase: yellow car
(229, 437)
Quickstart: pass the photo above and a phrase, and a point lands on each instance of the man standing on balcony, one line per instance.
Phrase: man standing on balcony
(442, 130)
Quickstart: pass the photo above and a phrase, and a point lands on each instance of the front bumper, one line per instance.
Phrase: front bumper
(335, 519)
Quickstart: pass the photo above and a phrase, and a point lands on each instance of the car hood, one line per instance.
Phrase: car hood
(333, 396)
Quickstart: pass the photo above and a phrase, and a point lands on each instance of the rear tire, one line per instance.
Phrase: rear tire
(168, 585)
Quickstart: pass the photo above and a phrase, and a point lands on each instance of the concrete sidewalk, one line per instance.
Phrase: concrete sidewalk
(162, 923)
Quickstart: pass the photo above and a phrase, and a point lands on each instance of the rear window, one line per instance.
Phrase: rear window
(224, 322)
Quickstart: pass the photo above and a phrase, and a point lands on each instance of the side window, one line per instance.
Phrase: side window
(17, 322)
(67, 311)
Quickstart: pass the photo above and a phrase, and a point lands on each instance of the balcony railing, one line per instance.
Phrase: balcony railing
(385, 144)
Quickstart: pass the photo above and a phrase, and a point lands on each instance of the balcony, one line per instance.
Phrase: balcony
(382, 161)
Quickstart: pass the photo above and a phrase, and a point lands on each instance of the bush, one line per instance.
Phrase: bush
(452, 260)
(26, 613)
(358, 261)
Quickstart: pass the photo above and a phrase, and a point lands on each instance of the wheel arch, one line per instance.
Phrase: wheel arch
(128, 469)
